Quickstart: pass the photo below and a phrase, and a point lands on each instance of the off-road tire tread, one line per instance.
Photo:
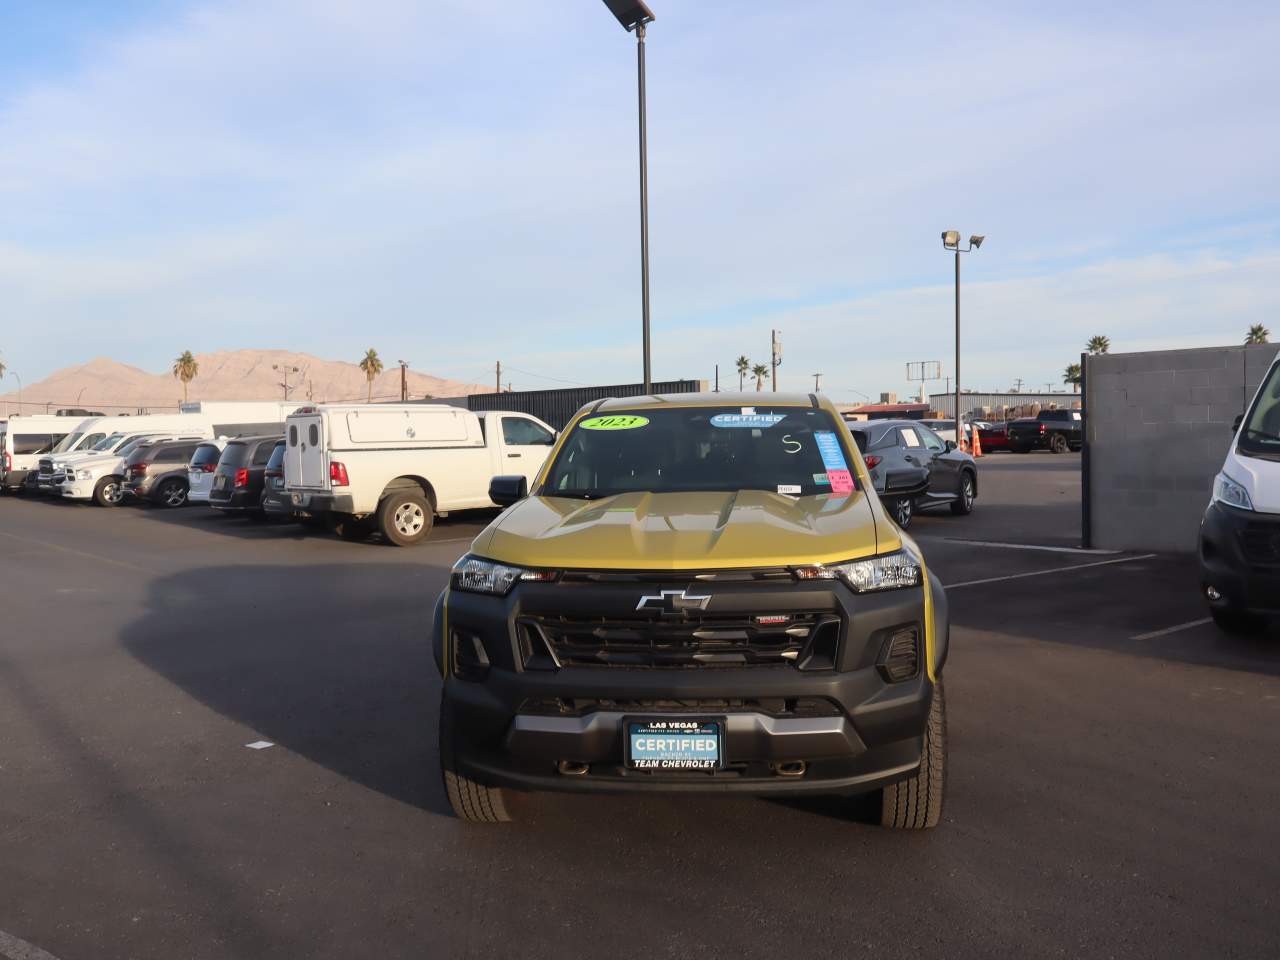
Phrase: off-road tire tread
(471, 801)
(916, 804)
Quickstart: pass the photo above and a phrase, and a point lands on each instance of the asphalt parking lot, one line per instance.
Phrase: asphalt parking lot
(1113, 775)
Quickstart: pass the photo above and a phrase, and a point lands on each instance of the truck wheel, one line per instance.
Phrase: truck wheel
(471, 801)
(902, 510)
(1237, 621)
(404, 517)
(1057, 443)
(108, 492)
(963, 506)
(172, 493)
(916, 804)
(350, 528)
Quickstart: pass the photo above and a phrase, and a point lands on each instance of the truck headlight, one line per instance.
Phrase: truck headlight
(889, 571)
(1226, 490)
(474, 575)
(83, 475)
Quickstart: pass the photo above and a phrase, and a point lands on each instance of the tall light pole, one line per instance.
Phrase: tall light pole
(951, 241)
(633, 15)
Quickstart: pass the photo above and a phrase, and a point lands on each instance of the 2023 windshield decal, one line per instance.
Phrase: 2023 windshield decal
(617, 422)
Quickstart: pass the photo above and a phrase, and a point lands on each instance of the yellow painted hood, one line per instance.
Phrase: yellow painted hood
(681, 531)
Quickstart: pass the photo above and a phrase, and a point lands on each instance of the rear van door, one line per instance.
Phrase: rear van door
(304, 457)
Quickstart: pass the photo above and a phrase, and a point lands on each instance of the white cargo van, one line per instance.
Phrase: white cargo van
(1240, 532)
(24, 439)
(393, 467)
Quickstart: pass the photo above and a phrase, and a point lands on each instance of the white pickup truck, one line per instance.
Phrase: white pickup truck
(392, 468)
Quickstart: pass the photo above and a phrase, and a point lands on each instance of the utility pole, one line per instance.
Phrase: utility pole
(775, 352)
(497, 377)
(717, 378)
(1017, 385)
(817, 382)
(404, 383)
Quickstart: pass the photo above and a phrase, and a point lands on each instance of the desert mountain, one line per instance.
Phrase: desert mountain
(110, 386)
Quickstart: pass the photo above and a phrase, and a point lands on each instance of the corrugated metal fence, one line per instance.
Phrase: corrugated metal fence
(557, 407)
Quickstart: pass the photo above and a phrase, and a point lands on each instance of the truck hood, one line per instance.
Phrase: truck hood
(111, 462)
(682, 531)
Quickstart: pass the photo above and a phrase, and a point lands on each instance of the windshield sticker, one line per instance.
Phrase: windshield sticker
(788, 488)
(614, 423)
(822, 479)
(833, 459)
(756, 420)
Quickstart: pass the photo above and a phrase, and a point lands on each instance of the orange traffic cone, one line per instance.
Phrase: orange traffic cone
(977, 442)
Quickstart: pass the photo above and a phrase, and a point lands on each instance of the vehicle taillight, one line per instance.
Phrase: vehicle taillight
(1042, 428)
(338, 474)
(207, 467)
(242, 477)
(273, 473)
(871, 461)
(138, 469)
(8, 462)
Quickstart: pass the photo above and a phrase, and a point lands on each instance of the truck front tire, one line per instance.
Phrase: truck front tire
(916, 804)
(405, 517)
(470, 801)
(108, 492)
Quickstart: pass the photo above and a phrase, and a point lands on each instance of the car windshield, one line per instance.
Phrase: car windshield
(107, 442)
(67, 442)
(1260, 433)
(789, 450)
(277, 457)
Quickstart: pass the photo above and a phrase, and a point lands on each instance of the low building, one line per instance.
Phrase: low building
(1002, 406)
(886, 411)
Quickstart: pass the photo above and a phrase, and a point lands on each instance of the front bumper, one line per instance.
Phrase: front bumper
(852, 729)
(1240, 558)
(76, 489)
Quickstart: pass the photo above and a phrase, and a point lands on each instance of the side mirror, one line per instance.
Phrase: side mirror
(1235, 426)
(951, 445)
(504, 491)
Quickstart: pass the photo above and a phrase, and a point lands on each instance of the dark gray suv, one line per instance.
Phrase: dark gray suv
(912, 467)
(157, 472)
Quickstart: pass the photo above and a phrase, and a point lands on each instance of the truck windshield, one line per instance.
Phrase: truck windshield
(796, 451)
(66, 443)
(1260, 433)
(109, 441)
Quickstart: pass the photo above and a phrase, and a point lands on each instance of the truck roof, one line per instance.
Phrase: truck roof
(708, 398)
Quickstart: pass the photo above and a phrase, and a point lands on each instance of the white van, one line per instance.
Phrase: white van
(25, 439)
(1240, 533)
(394, 467)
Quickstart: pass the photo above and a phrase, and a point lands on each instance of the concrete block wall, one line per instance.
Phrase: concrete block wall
(1158, 426)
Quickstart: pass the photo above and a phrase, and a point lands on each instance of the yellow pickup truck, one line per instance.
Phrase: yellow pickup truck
(697, 592)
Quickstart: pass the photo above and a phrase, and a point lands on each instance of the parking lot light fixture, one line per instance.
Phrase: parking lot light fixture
(634, 15)
(951, 241)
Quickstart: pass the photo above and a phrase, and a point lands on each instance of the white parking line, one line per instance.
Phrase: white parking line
(1020, 546)
(1174, 629)
(1043, 573)
(14, 949)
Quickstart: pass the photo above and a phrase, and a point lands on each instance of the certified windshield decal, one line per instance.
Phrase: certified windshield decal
(833, 459)
(614, 423)
(748, 420)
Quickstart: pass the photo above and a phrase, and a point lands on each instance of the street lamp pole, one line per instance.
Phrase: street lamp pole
(634, 15)
(951, 241)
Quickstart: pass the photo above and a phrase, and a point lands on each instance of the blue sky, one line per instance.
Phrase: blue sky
(436, 180)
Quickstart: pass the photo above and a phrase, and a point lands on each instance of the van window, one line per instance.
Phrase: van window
(293, 435)
(263, 453)
(205, 454)
(66, 443)
(519, 432)
(277, 456)
(235, 454)
(30, 444)
(1260, 431)
(313, 435)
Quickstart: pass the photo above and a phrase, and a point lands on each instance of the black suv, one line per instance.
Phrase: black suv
(238, 481)
(157, 472)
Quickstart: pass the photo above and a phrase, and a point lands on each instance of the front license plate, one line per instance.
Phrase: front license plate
(675, 743)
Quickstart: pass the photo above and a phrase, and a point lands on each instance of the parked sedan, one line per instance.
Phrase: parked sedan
(158, 472)
(238, 481)
(913, 468)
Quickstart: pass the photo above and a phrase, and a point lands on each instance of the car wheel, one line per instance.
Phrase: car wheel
(172, 493)
(916, 804)
(470, 801)
(1237, 622)
(404, 517)
(964, 506)
(902, 510)
(108, 492)
(1057, 443)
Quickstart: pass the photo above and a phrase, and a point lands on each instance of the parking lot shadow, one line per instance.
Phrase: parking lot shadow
(332, 662)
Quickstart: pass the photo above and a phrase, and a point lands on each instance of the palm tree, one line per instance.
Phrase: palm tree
(759, 371)
(1257, 334)
(371, 366)
(744, 367)
(186, 368)
(1099, 344)
(1071, 375)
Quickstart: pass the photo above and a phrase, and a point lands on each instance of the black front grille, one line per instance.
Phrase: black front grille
(1261, 542)
(773, 706)
(804, 640)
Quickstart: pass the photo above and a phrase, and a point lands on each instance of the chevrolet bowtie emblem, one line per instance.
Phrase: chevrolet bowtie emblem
(673, 602)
